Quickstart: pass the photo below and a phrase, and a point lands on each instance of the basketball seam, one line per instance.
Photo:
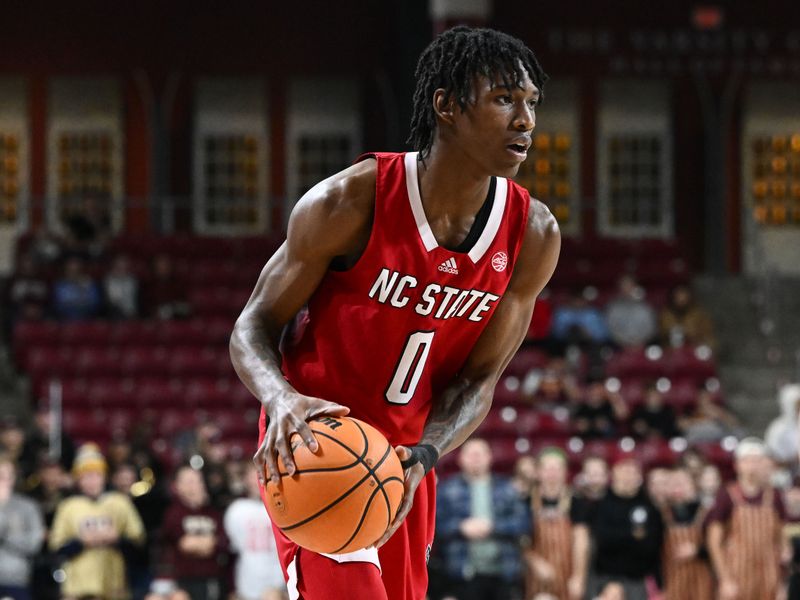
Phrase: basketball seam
(380, 486)
(360, 521)
(370, 473)
(331, 469)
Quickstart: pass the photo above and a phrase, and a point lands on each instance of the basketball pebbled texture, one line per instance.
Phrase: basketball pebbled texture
(343, 497)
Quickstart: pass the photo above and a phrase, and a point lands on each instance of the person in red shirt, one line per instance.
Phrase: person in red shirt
(407, 282)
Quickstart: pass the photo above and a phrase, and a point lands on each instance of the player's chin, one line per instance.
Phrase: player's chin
(507, 170)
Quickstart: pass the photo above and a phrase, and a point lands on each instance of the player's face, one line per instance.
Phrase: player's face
(495, 127)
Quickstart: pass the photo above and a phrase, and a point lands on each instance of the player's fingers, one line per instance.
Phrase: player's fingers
(403, 453)
(402, 512)
(259, 462)
(270, 461)
(324, 407)
(307, 435)
(285, 453)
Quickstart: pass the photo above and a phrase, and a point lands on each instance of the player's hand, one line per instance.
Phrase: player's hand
(289, 414)
(413, 477)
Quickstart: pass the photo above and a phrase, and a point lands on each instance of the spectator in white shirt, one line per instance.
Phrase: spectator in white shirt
(258, 572)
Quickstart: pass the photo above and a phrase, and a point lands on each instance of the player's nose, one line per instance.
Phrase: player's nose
(524, 118)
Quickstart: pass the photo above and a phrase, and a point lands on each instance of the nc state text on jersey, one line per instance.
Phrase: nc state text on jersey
(444, 302)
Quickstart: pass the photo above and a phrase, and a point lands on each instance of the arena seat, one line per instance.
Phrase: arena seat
(495, 426)
(689, 362)
(135, 333)
(96, 361)
(84, 332)
(641, 363)
(526, 360)
(138, 361)
(29, 334)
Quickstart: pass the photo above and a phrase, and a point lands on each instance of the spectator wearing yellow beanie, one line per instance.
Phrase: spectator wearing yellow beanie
(92, 530)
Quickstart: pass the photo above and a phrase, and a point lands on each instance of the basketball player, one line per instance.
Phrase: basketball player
(419, 273)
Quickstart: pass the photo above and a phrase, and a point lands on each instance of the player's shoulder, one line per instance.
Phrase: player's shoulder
(345, 194)
(542, 224)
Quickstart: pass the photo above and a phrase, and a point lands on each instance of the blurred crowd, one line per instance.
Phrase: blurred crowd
(123, 521)
(113, 525)
(72, 277)
(614, 531)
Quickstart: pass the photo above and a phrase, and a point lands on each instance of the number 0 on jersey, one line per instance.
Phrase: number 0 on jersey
(409, 368)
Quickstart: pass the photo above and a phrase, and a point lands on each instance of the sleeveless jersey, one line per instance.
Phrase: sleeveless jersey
(386, 336)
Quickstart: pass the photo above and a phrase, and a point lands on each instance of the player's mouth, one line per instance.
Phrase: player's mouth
(519, 147)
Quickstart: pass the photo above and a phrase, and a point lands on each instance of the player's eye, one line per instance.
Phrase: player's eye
(505, 99)
(532, 104)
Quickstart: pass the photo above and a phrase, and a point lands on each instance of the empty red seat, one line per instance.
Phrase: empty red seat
(642, 363)
(135, 333)
(188, 361)
(689, 362)
(526, 360)
(85, 333)
(159, 392)
(507, 391)
(96, 361)
(141, 361)
(495, 425)
(28, 334)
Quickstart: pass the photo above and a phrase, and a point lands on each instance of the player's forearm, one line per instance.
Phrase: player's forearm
(255, 356)
(457, 413)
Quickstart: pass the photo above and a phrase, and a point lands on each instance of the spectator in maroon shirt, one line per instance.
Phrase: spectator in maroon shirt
(195, 544)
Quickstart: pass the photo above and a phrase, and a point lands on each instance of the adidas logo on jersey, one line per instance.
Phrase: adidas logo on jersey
(449, 266)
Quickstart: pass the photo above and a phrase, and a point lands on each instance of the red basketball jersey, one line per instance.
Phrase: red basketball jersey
(387, 336)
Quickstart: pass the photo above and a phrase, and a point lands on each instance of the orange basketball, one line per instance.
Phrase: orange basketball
(343, 497)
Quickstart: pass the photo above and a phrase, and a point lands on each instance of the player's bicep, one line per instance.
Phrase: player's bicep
(500, 339)
(329, 221)
(507, 328)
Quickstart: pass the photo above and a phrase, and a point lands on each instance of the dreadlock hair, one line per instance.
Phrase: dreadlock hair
(453, 60)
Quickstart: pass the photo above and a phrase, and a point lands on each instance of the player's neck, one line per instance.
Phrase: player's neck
(449, 185)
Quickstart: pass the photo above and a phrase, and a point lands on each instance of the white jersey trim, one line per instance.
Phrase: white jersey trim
(493, 223)
(291, 583)
(369, 555)
(426, 235)
(412, 184)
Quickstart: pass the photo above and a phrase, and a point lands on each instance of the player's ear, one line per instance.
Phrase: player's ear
(444, 105)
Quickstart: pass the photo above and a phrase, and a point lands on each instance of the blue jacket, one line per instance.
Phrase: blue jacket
(512, 522)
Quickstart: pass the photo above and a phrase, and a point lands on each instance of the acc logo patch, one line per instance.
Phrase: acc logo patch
(499, 261)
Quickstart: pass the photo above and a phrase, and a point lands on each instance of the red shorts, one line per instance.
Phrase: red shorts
(396, 571)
